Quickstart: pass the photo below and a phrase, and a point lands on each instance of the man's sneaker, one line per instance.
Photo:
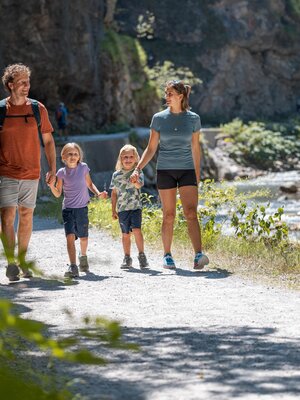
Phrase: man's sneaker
(127, 262)
(143, 260)
(200, 261)
(83, 264)
(72, 272)
(12, 272)
(168, 262)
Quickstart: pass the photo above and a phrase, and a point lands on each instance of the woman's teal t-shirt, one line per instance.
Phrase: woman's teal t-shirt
(175, 131)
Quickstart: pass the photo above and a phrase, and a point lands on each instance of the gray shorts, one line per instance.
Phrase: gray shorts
(18, 192)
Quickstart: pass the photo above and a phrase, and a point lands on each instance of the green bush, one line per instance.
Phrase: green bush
(262, 145)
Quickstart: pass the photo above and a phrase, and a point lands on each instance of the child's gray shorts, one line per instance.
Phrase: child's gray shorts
(18, 192)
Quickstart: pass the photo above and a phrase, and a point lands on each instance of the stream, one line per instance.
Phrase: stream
(272, 182)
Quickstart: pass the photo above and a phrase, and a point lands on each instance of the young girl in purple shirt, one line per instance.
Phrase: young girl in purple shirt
(75, 181)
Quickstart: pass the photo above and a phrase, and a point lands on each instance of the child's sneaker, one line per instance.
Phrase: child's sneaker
(143, 260)
(127, 262)
(83, 264)
(200, 260)
(168, 262)
(72, 272)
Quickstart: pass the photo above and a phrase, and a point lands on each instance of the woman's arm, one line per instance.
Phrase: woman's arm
(147, 155)
(196, 153)
(56, 187)
(150, 149)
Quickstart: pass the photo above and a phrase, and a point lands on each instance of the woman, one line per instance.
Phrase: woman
(177, 131)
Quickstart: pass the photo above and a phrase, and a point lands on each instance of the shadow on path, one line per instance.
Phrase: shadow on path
(224, 362)
(208, 274)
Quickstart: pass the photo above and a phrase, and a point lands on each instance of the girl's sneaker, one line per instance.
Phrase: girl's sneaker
(143, 261)
(200, 261)
(127, 262)
(168, 262)
(72, 272)
(83, 264)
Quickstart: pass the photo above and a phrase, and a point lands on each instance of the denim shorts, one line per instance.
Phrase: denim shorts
(76, 221)
(130, 219)
(18, 192)
(173, 178)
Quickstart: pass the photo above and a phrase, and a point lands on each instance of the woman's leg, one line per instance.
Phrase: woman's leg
(71, 248)
(189, 200)
(168, 201)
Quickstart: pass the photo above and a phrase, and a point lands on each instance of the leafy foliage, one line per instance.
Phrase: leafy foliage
(162, 73)
(263, 145)
(255, 223)
(17, 335)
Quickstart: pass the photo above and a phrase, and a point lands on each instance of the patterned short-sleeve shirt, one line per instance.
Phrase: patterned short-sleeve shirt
(128, 196)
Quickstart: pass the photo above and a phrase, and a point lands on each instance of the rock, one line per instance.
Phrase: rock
(289, 188)
(247, 57)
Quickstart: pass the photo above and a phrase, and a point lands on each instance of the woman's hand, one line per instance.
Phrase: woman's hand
(135, 176)
(114, 215)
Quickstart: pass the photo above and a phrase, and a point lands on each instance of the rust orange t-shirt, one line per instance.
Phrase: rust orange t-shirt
(19, 142)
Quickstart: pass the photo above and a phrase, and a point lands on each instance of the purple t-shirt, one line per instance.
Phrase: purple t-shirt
(76, 194)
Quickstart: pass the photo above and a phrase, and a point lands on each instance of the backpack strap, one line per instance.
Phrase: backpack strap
(37, 116)
(2, 112)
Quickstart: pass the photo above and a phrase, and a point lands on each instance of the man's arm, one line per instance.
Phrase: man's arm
(50, 153)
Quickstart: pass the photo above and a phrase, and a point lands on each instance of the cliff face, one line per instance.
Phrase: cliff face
(92, 55)
(246, 52)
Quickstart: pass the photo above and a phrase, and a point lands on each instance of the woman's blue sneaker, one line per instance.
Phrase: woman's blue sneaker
(168, 262)
(200, 261)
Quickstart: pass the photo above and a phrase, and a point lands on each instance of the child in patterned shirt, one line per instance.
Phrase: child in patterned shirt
(127, 205)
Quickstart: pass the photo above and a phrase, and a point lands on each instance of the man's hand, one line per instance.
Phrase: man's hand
(50, 177)
(115, 215)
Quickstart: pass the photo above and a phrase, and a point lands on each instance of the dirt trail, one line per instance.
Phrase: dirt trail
(206, 335)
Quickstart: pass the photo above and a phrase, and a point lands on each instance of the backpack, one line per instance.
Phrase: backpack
(36, 115)
(58, 114)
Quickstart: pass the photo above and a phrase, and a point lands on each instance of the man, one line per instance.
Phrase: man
(61, 119)
(20, 165)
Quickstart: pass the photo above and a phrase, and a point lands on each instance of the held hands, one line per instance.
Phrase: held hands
(50, 178)
(114, 215)
(103, 195)
(135, 176)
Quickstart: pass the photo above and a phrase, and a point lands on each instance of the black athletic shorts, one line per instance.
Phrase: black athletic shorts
(173, 178)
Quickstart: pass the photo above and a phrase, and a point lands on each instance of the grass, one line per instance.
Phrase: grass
(276, 265)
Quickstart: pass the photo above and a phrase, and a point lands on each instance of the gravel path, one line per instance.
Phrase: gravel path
(205, 335)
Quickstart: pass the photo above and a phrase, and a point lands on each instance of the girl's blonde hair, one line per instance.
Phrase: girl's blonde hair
(69, 146)
(127, 147)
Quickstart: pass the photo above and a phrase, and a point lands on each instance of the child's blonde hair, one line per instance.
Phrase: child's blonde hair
(69, 146)
(127, 147)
